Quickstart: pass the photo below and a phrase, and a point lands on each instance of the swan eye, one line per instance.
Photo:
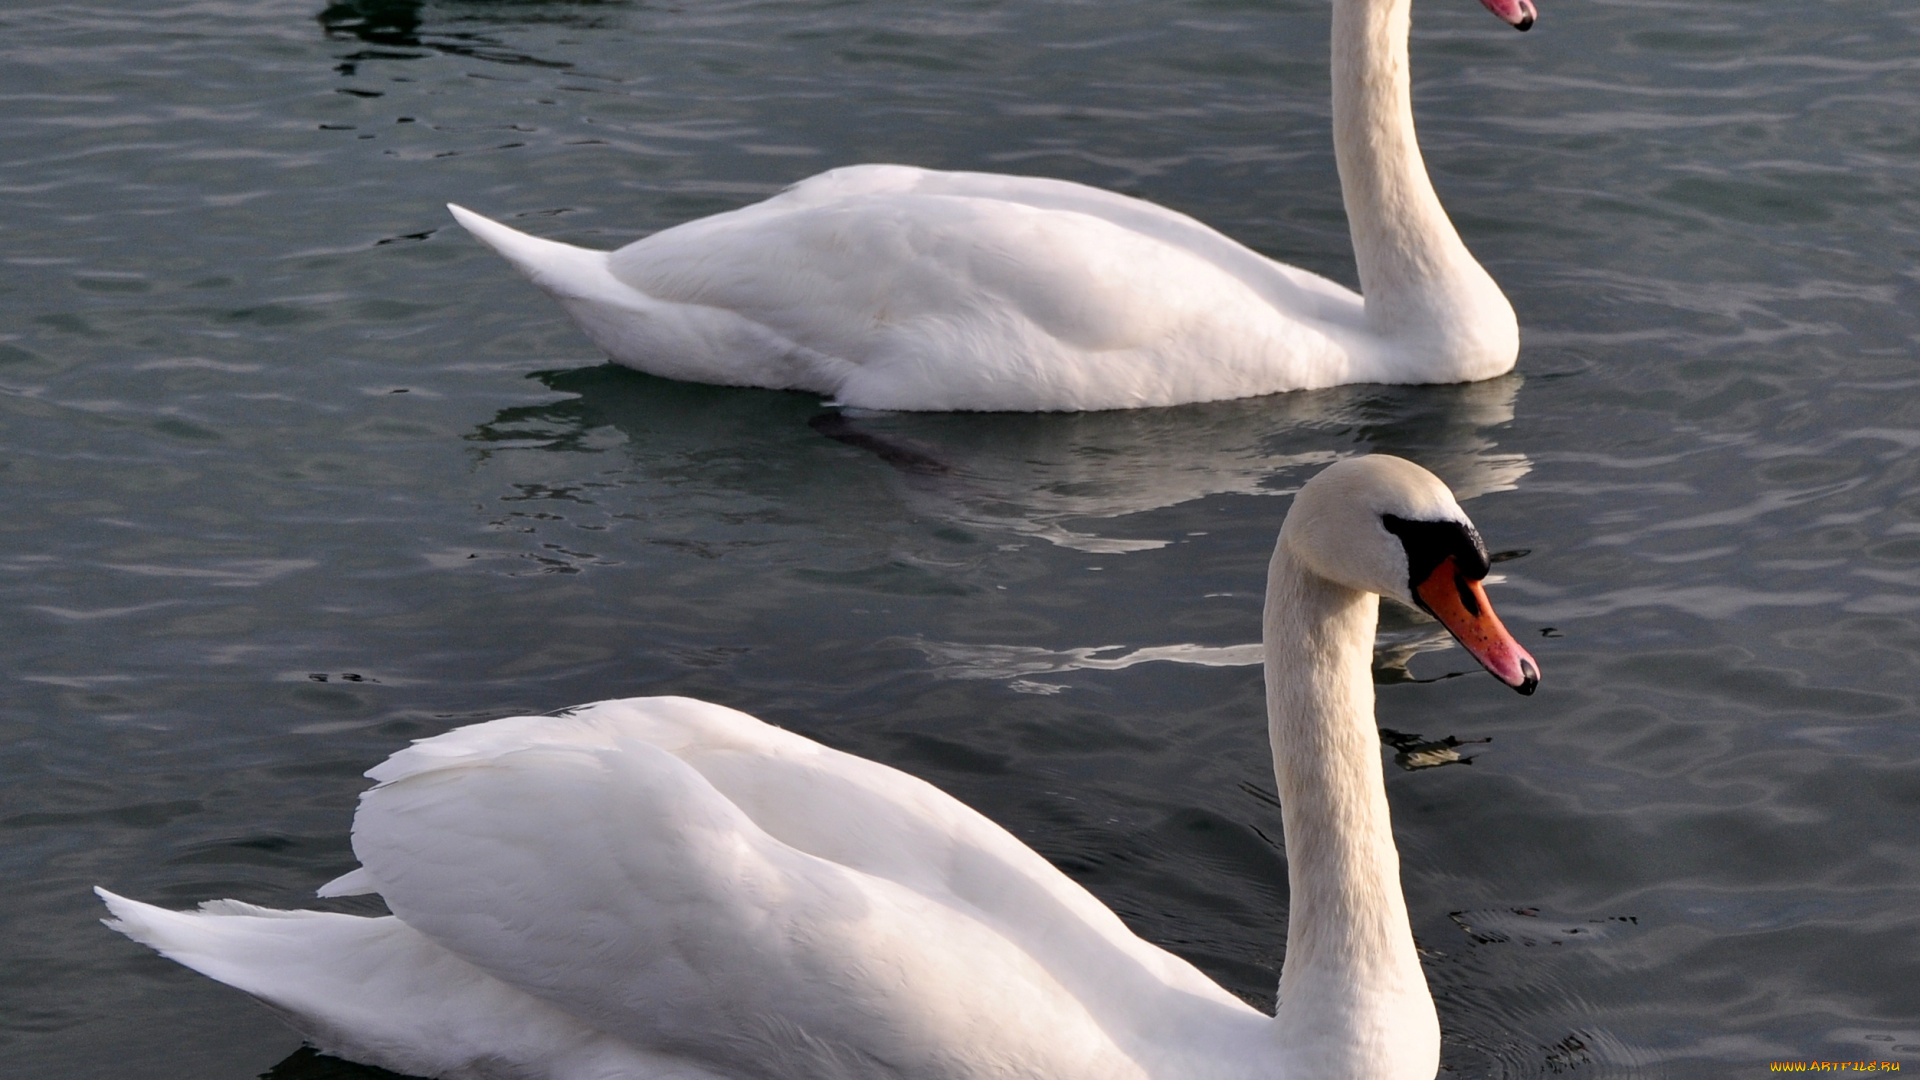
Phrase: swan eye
(1430, 543)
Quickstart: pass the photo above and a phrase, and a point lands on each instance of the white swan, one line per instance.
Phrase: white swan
(889, 287)
(660, 887)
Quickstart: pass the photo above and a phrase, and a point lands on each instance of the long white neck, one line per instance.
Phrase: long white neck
(1353, 1000)
(1424, 291)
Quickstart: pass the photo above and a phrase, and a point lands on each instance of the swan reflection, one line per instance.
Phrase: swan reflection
(1055, 477)
(1051, 476)
(400, 30)
(690, 455)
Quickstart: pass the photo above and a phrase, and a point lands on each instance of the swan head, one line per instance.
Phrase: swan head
(1518, 14)
(1384, 525)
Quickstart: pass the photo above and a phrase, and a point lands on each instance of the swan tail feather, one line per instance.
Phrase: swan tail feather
(674, 340)
(355, 882)
(564, 271)
(376, 991)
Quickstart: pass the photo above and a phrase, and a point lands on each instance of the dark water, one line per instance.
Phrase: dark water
(294, 472)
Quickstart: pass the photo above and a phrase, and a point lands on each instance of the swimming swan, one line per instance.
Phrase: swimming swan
(663, 888)
(890, 287)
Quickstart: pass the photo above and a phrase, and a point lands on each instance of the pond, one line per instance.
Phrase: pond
(296, 471)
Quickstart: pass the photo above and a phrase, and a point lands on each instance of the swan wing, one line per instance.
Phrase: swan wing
(587, 861)
(961, 297)
(1286, 287)
(875, 819)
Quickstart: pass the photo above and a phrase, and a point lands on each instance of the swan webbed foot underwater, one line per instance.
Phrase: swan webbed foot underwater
(662, 887)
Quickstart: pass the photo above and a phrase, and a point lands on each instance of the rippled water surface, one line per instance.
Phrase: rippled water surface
(295, 471)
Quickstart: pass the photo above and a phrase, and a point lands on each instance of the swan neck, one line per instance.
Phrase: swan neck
(1420, 283)
(1350, 958)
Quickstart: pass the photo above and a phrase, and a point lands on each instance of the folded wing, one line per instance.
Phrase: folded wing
(692, 881)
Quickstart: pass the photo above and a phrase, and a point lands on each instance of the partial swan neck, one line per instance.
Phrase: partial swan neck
(1353, 1000)
(1423, 289)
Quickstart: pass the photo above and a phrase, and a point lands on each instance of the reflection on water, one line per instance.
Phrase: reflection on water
(1404, 634)
(1528, 927)
(1051, 477)
(377, 22)
(1055, 477)
(396, 28)
(951, 660)
(1414, 752)
(309, 1064)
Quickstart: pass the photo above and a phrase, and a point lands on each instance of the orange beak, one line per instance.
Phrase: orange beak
(1461, 606)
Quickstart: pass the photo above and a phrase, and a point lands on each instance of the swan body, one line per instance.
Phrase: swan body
(664, 888)
(892, 287)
